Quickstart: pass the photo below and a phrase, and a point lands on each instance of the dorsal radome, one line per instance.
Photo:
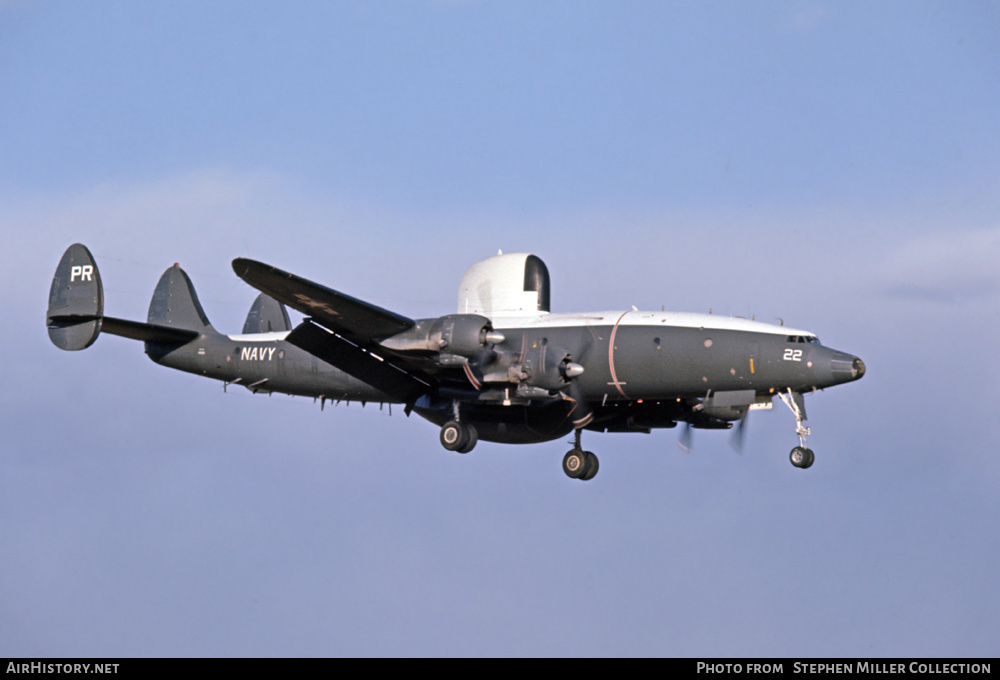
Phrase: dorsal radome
(516, 284)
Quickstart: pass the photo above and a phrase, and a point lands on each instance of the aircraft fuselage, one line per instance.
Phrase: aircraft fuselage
(651, 362)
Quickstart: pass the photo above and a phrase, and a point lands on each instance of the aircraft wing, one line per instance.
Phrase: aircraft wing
(343, 331)
(400, 381)
(349, 317)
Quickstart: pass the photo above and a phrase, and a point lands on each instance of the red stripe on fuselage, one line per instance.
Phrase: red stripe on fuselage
(611, 357)
(472, 379)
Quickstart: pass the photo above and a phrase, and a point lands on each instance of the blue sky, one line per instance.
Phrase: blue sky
(831, 164)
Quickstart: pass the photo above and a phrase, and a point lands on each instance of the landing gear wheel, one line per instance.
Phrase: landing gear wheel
(802, 457)
(575, 464)
(453, 436)
(592, 466)
(461, 437)
(472, 437)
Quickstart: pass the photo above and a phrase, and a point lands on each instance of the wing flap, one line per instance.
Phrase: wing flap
(349, 317)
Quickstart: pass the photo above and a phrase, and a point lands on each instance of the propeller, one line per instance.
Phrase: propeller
(740, 433)
(736, 440)
(475, 368)
(684, 441)
(582, 412)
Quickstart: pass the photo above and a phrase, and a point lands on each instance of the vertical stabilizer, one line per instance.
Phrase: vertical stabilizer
(175, 304)
(76, 300)
(267, 315)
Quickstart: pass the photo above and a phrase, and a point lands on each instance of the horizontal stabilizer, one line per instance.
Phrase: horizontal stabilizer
(352, 318)
(147, 332)
(136, 330)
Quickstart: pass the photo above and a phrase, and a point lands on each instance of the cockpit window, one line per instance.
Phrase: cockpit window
(811, 339)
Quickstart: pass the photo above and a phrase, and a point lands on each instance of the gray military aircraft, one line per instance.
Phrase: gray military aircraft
(502, 369)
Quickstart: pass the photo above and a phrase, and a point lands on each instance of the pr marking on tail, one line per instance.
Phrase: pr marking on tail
(85, 272)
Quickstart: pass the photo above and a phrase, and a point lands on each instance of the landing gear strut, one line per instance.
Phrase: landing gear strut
(801, 456)
(580, 464)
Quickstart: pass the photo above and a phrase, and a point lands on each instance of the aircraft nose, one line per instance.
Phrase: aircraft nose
(846, 367)
(858, 367)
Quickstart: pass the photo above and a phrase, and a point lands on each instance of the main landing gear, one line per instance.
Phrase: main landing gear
(457, 436)
(801, 456)
(580, 464)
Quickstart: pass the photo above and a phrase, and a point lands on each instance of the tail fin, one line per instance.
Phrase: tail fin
(76, 300)
(75, 316)
(267, 315)
(175, 304)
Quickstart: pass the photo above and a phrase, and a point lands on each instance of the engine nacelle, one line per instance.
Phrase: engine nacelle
(459, 334)
(548, 367)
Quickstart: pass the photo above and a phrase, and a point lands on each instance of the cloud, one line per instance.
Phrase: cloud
(806, 16)
(946, 267)
(201, 218)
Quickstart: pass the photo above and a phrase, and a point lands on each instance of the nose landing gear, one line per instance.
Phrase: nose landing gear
(801, 456)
